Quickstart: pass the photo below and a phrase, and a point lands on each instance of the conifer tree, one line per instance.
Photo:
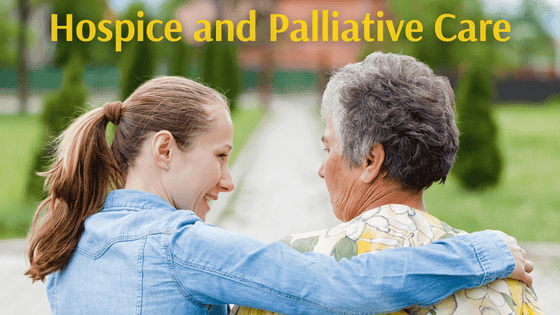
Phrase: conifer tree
(179, 62)
(220, 69)
(60, 108)
(138, 60)
(478, 162)
(179, 54)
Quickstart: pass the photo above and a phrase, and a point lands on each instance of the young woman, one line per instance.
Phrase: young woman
(122, 229)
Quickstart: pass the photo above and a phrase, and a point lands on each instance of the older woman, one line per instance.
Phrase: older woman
(390, 135)
(143, 247)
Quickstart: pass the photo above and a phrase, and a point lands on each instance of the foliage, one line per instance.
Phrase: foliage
(177, 54)
(462, 60)
(80, 10)
(59, 110)
(138, 60)
(220, 69)
(531, 44)
(478, 162)
(525, 203)
(443, 57)
(181, 54)
(8, 33)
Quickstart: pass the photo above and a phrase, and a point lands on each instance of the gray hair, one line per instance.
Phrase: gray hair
(398, 102)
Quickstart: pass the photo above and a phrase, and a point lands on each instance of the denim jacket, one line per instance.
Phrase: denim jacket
(139, 255)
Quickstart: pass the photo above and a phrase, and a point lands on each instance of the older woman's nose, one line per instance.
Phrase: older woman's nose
(321, 170)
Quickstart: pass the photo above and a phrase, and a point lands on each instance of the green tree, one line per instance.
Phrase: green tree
(138, 60)
(8, 33)
(12, 45)
(179, 61)
(24, 10)
(70, 100)
(531, 44)
(80, 10)
(60, 108)
(220, 69)
(478, 162)
(179, 54)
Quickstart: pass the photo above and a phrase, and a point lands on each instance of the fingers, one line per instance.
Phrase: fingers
(529, 266)
(523, 267)
(527, 279)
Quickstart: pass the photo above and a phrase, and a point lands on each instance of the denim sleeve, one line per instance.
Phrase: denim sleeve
(214, 266)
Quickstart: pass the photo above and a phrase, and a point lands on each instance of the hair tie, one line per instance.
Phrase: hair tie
(112, 110)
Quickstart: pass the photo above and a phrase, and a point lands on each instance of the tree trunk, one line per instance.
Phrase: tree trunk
(265, 77)
(267, 66)
(22, 64)
(322, 74)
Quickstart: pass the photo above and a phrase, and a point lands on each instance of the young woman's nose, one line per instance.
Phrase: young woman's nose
(226, 182)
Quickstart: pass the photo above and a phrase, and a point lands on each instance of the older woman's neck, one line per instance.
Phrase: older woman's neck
(385, 192)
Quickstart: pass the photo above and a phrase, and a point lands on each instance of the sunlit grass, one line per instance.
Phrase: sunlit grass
(17, 146)
(526, 203)
(244, 122)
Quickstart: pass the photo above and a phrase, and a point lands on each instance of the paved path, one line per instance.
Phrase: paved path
(278, 189)
(17, 295)
(278, 192)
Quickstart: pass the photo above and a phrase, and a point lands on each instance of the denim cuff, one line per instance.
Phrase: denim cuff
(493, 255)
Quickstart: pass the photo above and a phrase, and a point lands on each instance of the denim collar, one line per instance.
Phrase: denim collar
(135, 200)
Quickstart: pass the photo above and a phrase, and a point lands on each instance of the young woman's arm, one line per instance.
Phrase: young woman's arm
(215, 266)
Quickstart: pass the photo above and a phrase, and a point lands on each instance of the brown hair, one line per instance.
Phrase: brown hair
(85, 169)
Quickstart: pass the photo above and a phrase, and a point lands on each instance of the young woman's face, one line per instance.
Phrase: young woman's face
(201, 172)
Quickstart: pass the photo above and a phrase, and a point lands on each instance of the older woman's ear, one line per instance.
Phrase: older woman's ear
(372, 164)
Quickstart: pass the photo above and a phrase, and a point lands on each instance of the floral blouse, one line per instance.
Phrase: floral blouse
(402, 226)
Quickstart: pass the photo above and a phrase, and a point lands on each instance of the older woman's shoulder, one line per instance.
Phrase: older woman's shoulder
(376, 229)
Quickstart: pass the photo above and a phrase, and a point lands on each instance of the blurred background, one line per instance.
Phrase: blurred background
(507, 175)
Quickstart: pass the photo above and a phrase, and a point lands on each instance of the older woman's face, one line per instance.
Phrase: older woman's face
(345, 187)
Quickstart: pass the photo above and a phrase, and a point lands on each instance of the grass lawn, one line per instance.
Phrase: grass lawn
(17, 143)
(18, 136)
(526, 204)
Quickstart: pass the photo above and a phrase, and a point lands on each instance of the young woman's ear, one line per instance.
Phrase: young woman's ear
(163, 146)
(372, 164)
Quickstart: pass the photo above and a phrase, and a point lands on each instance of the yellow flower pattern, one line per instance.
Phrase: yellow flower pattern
(401, 226)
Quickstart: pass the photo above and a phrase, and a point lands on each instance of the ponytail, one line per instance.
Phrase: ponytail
(81, 175)
(85, 169)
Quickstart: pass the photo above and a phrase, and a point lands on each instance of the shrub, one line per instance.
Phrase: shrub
(59, 110)
(478, 164)
(138, 60)
(220, 69)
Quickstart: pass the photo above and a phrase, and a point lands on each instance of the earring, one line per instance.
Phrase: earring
(167, 167)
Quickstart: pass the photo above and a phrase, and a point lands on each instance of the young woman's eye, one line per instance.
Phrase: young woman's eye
(223, 156)
(326, 150)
